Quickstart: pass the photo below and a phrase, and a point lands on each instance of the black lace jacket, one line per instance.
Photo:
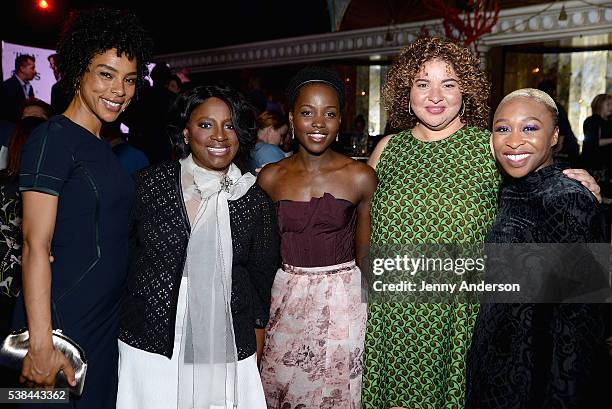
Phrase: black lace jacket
(159, 232)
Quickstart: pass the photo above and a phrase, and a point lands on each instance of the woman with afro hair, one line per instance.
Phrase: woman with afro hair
(76, 200)
(438, 183)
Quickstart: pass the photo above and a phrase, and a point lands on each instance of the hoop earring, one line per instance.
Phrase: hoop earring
(462, 109)
(409, 110)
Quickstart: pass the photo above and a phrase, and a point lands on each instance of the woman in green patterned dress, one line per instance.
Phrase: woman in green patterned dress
(438, 183)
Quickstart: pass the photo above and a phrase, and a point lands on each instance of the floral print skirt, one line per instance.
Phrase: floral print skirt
(314, 339)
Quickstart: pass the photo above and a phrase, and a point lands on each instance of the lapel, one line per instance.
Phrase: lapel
(19, 91)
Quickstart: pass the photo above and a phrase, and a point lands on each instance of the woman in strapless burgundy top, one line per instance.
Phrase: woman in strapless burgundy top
(314, 339)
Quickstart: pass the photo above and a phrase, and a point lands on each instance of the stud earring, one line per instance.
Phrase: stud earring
(337, 136)
(186, 141)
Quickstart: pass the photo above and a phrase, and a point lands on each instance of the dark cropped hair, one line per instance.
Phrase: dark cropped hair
(176, 78)
(37, 103)
(161, 74)
(88, 33)
(312, 74)
(21, 60)
(18, 137)
(243, 119)
(473, 82)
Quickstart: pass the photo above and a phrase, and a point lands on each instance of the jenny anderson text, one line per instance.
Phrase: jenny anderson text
(424, 286)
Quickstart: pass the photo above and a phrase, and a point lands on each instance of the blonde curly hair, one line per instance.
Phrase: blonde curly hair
(473, 82)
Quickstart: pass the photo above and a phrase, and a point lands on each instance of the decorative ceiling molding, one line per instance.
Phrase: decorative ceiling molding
(542, 23)
(515, 26)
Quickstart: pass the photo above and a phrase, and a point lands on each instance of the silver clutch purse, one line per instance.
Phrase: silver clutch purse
(15, 347)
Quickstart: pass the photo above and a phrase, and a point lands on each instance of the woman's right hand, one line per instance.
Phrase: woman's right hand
(41, 366)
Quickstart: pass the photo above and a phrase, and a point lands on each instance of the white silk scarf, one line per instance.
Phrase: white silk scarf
(208, 357)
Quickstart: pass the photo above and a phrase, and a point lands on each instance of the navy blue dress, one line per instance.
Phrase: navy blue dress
(89, 244)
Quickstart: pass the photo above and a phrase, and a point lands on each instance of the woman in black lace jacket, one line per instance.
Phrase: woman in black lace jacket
(538, 354)
(204, 250)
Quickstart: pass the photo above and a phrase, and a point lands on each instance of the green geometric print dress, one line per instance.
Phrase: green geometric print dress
(428, 192)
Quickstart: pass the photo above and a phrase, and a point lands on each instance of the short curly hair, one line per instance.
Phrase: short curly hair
(473, 82)
(243, 119)
(88, 33)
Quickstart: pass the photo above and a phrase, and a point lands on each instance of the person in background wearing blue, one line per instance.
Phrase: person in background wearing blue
(132, 159)
(76, 201)
(271, 128)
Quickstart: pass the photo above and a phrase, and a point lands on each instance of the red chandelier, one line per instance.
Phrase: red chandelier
(468, 25)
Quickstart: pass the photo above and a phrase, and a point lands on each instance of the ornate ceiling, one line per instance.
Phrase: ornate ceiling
(367, 13)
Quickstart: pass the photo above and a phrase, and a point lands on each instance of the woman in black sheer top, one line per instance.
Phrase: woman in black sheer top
(537, 355)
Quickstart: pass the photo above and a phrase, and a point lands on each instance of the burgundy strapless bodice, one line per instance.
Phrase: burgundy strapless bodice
(317, 233)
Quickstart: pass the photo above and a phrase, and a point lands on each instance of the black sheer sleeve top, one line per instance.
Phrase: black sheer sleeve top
(159, 232)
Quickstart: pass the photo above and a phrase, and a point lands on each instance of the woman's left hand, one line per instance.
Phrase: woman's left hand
(586, 179)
